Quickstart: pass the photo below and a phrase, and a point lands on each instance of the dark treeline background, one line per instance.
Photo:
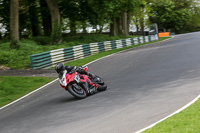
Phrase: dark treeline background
(31, 18)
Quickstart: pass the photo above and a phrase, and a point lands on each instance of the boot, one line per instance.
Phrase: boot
(92, 89)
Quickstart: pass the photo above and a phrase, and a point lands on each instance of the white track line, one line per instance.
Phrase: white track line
(57, 79)
(181, 109)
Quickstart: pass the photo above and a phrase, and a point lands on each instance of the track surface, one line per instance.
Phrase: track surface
(144, 85)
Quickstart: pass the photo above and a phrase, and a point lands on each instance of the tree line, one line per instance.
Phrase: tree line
(52, 17)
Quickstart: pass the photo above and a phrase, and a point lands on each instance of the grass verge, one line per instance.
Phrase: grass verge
(12, 88)
(187, 121)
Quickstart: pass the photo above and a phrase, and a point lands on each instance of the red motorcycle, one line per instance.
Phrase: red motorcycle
(80, 85)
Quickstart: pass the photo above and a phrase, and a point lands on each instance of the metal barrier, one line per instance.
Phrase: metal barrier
(50, 58)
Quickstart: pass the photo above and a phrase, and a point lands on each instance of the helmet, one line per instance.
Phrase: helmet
(59, 67)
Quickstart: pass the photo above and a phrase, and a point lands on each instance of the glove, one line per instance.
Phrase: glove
(78, 69)
(91, 75)
(74, 69)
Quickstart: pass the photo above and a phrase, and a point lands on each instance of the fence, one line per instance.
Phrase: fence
(50, 58)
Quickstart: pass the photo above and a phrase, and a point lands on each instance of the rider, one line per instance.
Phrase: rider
(60, 68)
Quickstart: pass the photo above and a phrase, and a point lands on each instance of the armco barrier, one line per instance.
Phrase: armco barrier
(49, 59)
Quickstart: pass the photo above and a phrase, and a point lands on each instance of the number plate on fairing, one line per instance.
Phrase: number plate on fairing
(62, 78)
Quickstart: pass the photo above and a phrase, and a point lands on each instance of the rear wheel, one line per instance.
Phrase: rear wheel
(76, 90)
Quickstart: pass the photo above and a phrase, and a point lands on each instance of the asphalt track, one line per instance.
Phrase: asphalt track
(144, 86)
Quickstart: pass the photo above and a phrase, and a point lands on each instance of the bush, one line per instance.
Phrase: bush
(42, 40)
(18, 59)
(14, 59)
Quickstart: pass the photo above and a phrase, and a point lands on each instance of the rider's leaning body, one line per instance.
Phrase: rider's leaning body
(60, 68)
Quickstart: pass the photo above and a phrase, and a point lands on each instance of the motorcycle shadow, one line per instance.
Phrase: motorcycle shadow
(69, 99)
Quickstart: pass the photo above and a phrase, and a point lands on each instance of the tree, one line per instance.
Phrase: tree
(70, 9)
(33, 14)
(98, 13)
(120, 12)
(14, 23)
(193, 24)
(77, 12)
(129, 7)
(170, 15)
(46, 18)
(55, 21)
(4, 17)
(140, 16)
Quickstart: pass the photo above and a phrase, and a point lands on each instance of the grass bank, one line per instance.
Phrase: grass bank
(12, 88)
(187, 121)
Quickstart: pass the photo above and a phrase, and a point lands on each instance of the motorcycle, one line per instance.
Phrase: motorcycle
(80, 85)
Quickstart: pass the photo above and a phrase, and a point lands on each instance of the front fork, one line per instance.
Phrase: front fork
(89, 86)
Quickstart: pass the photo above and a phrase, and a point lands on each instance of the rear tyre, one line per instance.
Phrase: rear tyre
(77, 91)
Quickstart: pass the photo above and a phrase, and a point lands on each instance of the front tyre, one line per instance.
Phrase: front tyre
(77, 91)
(102, 85)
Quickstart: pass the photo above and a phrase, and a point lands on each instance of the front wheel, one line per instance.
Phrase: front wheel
(101, 84)
(76, 90)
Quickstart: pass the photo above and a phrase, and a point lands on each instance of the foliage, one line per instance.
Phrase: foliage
(4, 11)
(171, 14)
(193, 23)
(42, 40)
(17, 58)
(140, 15)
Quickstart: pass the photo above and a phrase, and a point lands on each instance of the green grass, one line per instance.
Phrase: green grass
(12, 88)
(187, 121)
